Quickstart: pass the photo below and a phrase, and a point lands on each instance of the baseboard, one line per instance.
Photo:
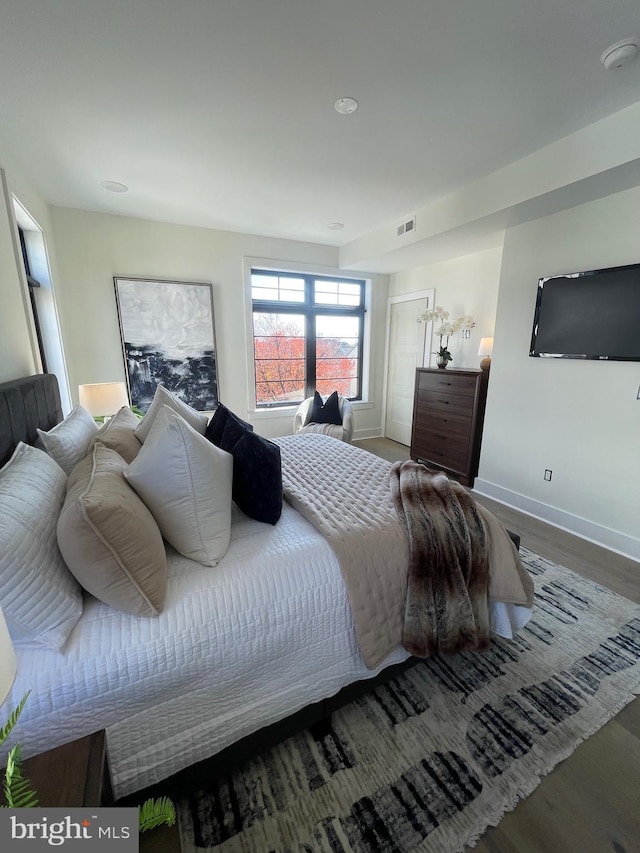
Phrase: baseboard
(361, 434)
(623, 544)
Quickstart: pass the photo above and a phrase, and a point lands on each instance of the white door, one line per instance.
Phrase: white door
(406, 352)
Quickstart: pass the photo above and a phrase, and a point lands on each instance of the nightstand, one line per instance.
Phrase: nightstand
(77, 774)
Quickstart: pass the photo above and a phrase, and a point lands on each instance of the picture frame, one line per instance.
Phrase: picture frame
(168, 338)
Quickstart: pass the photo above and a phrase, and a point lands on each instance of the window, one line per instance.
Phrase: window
(33, 289)
(307, 336)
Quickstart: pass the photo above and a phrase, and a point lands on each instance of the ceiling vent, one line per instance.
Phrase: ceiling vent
(406, 227)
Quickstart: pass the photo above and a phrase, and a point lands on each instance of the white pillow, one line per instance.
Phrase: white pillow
(162, 397)
(185, 481)
(69, 441)
(40, 598)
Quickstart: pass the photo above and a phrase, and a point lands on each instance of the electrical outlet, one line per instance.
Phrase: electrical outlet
(547, 474)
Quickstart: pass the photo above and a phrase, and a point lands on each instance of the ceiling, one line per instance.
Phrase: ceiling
(219, 113)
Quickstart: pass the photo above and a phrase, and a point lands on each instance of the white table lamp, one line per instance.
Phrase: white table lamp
(103, 399)
(485, 349)
(8, 662)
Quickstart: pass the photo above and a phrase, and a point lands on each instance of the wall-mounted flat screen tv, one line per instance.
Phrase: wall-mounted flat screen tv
(593, 314)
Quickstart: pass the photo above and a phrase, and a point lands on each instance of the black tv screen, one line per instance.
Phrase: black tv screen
(593, 314)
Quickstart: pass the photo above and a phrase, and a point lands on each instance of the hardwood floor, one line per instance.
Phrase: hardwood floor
(590, 803)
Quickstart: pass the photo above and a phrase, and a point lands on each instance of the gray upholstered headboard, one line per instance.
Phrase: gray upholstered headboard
(25, 405)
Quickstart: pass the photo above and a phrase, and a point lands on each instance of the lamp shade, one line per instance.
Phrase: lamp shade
(103, 398)
(486, 346)
(8, 663)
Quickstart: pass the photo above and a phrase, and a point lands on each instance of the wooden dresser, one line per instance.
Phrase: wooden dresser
(448, 413)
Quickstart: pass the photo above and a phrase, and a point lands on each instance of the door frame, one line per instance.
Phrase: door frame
(430, 296)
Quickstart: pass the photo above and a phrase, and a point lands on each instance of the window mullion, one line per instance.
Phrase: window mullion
(310, 352)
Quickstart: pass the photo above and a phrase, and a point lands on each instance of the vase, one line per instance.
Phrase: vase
(441, 362)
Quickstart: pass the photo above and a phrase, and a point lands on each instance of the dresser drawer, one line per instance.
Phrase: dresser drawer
(444, 423)
(445, 450)
(445, 401)
(448, 382)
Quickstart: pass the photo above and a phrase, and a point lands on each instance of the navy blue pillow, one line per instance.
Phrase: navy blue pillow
(325, 413)
(257, 477)
(257, 469)
(216, 425)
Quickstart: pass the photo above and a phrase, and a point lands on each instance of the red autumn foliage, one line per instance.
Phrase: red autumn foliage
(280, 362)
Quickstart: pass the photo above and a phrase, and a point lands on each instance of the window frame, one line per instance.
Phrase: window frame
(33, 284)
(310, 310)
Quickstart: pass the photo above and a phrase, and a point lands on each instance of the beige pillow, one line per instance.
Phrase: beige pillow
(119, 434)
(108, 537)
(186, 483)
(69, 441)
(162, 397)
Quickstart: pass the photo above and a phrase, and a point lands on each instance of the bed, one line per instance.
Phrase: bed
(236, 648)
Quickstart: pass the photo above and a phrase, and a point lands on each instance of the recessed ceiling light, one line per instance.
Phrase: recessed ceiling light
(114, 186)
(619, 54)
(346, 106)
(335, 226)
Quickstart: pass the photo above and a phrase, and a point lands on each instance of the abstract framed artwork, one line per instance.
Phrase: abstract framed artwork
(168, 338)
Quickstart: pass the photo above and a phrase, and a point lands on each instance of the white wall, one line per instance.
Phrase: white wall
(464, 285)
(92, 248)
(579, 418)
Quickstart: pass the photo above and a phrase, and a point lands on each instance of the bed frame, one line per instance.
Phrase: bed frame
(25, 405)
(34, 402)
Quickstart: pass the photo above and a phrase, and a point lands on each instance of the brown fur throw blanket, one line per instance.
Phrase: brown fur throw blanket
(446, 606)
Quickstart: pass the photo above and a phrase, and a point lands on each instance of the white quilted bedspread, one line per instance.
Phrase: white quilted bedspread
(237, 647)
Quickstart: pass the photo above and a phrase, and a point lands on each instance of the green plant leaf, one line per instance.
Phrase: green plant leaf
(153, 813)
(18, 792)
(5, 731)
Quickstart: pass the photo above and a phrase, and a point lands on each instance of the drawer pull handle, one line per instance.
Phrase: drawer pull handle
(442, 382)
(446, 402)
(444, 437)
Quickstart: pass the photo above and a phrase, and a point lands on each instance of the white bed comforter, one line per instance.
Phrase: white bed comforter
(237, 647)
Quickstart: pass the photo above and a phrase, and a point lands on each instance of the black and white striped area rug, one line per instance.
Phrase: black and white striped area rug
(428, 761)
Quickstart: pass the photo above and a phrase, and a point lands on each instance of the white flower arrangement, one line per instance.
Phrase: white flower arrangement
(446, 328)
